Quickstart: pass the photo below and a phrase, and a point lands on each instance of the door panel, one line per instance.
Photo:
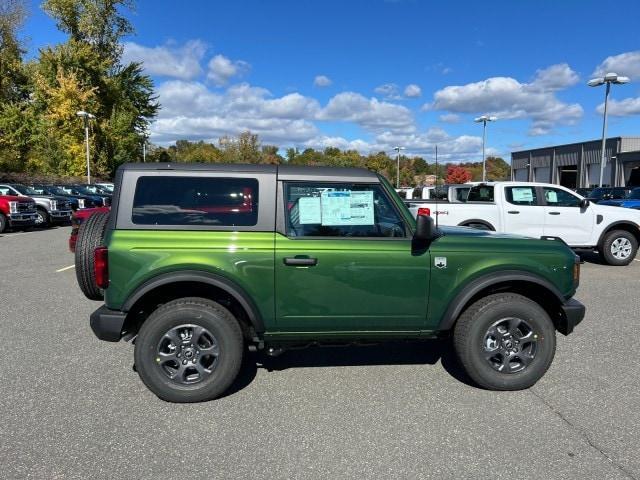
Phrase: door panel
(522, 213)
(354, 285)
(565, 219)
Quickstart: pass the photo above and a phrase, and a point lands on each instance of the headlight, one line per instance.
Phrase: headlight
(104, 201)
(80, 203)
(13, 207)
(54, 204)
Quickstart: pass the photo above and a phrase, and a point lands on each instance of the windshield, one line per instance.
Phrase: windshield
(23, 189)
(598, 193)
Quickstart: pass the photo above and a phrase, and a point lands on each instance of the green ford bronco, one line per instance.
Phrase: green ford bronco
(198, 263)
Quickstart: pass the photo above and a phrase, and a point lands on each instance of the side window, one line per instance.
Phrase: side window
(559, 198)
(481, 193)
(521, 195)
(209, 201)
(417, 193)
(340, 210)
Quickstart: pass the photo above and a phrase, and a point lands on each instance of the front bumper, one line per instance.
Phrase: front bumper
(107, 324)
(22, 219)
(60, 215)
(572, 314)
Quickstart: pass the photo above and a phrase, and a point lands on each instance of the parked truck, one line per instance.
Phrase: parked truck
(16, 211)
(542, 209)
(50, 209)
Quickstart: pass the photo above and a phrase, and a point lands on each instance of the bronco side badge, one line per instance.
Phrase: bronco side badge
(440, 262)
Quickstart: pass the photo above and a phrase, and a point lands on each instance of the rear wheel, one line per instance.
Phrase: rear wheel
(90, 235)
(189, 350)
(619, 248)
(477, 226)
(505, 342)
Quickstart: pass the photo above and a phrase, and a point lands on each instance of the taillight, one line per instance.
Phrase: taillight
(101, 266)
(424, 211)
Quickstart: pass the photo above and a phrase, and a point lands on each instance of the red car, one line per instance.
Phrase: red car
(79, 217)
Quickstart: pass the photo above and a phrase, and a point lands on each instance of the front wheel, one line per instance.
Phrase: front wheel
(505, 342)
(189, 350)
(619, 248)
(42, 218)
(3, 223)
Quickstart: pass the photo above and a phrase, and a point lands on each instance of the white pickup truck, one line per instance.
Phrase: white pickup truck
(546, 210)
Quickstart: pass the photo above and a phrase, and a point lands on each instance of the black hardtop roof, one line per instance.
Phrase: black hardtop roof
(284, 172)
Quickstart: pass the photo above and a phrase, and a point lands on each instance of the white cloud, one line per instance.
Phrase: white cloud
(222, 69)
(322, 81)
(412, 91)
(555, 77)
(389, 91)
(168, 60)
(627, 64)
(369, 113)
(622, 108)
(507, 98)
(450, 118)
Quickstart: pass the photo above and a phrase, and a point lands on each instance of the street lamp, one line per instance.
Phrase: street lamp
(608, 79)
(86, 117)
(397, 149)
(484, 119)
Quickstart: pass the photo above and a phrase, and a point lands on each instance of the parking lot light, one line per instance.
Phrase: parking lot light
(86, 116)
(607, 80)
(484, 119)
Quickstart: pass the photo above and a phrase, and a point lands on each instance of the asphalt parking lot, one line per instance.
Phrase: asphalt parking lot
(72, 407)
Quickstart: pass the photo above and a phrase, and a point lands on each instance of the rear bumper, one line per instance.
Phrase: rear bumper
(107, 324)
(572, 314)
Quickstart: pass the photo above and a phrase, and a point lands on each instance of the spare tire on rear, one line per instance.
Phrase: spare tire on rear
(90, 235)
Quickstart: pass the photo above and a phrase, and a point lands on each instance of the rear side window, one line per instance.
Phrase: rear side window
(210, 201)
(521, 195)
(481, 193)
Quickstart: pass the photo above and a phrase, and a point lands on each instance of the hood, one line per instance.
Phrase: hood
(474, 232)
(16, 198)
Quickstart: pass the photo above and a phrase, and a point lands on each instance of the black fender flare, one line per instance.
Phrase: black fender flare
(477, 220)
(612, 226)
(232, 288)
(469, 290)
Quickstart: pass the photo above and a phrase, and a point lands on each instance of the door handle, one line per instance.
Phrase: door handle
(300, 261)
(513, 212)
(554, 213)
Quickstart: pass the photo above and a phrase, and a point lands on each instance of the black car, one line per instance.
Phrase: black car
(92, 190)
(585, 192)
(608, 193)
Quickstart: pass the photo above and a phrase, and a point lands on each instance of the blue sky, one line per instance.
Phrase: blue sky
(378, 73)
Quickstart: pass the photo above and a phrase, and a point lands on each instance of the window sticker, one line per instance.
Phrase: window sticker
(309, 210)
(522, 194)
(336, 208)
(362, 208)
(552, 196)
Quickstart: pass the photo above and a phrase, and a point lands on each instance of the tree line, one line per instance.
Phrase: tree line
(247, 148)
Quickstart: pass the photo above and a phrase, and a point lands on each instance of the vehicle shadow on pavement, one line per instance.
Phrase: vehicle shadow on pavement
(591, 257)
(427, 352)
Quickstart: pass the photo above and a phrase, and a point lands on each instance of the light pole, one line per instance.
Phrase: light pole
(86, 116)
(484, 119)
(144, 148)
(608, 79)
(397, 149)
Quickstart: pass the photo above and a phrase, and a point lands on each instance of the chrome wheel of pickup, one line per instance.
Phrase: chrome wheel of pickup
(621, 248)
(187, 354)
(510, 345)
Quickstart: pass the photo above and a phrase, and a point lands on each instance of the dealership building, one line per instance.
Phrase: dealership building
(577, 165)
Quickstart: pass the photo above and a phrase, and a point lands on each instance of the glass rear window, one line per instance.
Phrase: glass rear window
(212, 201)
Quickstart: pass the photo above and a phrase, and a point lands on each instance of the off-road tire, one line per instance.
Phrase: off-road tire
(192, 311)
(90, 235)
(46, 219)
(3, 223)
(606, 253)
(469, 340)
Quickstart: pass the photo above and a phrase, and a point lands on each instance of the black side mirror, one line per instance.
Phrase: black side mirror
(584, 203)
(425, 228)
